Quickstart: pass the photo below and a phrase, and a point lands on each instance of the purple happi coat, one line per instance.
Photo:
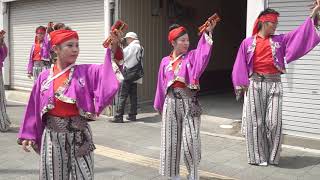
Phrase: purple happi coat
(45, 52)
(285, 49)
(189, 71)
(3, 54)
(90, 86)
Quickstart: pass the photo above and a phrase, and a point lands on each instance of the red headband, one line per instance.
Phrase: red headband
(264, 18)
(174, 33)
(62, 35)
(40, 30)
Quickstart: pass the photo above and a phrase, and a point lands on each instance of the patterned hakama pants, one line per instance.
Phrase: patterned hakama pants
(38, 67)
(180, 130)
(4, 119)
(67, 149)
(263, 129)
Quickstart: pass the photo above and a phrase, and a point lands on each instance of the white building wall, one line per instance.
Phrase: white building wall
(254, 7)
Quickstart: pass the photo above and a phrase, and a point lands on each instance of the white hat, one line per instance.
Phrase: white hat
(131, 35)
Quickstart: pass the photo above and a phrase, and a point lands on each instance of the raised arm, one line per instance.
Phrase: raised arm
(303, 39)
(103, 83)
(200, 56)
(46, 47)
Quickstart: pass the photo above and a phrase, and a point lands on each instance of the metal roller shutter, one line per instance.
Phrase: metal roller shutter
(301, 106)
(84, 16)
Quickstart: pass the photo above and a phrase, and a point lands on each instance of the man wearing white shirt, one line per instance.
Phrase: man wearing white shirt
(133, 54)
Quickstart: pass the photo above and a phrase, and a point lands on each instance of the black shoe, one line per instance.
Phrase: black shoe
(131, 118)
(117, 120)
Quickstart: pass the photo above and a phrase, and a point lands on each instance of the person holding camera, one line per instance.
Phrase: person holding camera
(132, 72)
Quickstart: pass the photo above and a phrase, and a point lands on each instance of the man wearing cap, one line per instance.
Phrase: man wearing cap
(133, 54)
(260, 61)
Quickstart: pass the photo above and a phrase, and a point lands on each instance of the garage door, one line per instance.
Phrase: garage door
(301, 106)
(84, 16)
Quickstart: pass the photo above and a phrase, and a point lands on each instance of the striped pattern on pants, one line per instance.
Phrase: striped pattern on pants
(38, 67)
(59, 159)
(180, 127)
(4, 119)
(264, 122)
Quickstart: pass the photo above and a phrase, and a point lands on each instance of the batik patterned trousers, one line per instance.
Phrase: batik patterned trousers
(180, 130)
(67, 149)
(4, 119)
(263, 129)
(38, 67)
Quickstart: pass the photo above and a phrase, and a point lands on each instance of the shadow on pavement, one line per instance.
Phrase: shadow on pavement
(148, 119)
(210, 178)
(152, 119)
(13, 130)
(104, 170)
(15, 105)
(19, 171)
(298, 162)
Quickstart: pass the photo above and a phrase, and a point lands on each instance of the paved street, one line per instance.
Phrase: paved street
(131, 151)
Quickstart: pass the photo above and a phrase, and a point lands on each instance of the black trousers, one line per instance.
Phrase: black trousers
(127, 89)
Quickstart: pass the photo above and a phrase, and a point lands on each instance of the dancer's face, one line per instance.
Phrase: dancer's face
(181, 44)
(40, 36)
(68, 51)
(270, 27)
